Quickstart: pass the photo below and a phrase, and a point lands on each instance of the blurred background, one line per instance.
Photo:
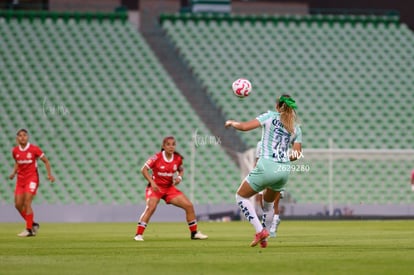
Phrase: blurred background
(98, 84)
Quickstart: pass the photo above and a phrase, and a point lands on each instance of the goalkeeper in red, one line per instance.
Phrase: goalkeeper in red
(167, 172)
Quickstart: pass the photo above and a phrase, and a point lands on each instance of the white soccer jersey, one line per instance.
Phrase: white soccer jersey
(276, 140)
(258, 148)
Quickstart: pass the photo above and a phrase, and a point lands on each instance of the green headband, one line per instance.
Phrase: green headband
(289, 101)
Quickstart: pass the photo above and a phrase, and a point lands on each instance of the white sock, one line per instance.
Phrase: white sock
(248, 211)
(276, 217)
(267, 214)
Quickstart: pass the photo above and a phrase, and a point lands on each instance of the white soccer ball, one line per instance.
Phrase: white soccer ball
(241, 87)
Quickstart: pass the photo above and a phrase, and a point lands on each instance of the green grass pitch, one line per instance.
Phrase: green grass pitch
(301, 247)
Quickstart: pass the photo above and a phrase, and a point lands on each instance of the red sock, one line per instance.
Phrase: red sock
(193, 226)
(141, 228)
(29, 221)
(23, 214)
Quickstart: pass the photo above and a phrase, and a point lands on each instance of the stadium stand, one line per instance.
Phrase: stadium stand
(97, 101)
(87, 87)
(351, 75)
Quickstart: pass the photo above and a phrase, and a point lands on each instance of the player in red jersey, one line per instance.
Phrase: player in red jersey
(25, 166)
(167, 172)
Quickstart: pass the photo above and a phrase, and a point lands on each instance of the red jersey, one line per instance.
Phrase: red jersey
(163, 169)
(26, 160)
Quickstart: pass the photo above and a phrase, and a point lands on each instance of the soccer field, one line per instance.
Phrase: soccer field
(302, 247)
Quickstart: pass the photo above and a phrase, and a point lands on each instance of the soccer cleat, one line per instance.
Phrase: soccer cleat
(198, 236)
(35, 228)
(26, 233)
(139, 238)
(273, 228)
(263, 244)
(262, 235)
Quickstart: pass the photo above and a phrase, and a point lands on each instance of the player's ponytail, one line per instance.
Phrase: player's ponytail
(287, 106)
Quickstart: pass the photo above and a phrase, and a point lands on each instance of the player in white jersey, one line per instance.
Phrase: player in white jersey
(279, 132)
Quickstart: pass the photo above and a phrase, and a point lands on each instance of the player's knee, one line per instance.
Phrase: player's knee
(27, 203)
(151, 208)
(18, 206)
(188, 206)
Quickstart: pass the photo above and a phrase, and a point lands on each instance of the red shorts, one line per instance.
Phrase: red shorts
(29, 185)
(165, 193)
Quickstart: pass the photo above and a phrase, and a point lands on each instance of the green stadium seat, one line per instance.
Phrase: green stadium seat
(111, 83)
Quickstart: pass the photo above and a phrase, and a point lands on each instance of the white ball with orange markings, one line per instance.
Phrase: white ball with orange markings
(241, 87)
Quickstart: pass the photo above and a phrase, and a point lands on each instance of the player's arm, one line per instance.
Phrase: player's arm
(48, 169)
(14, 172)
(243, 126)
(180, 174)
(145, 172)
(296, 151)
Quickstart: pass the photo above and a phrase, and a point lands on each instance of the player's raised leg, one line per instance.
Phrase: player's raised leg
(242, 198)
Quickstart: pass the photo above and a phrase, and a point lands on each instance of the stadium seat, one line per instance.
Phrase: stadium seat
(101, 86)
(337, 68)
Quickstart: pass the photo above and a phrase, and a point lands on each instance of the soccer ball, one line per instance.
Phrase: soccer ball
(241, 87)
